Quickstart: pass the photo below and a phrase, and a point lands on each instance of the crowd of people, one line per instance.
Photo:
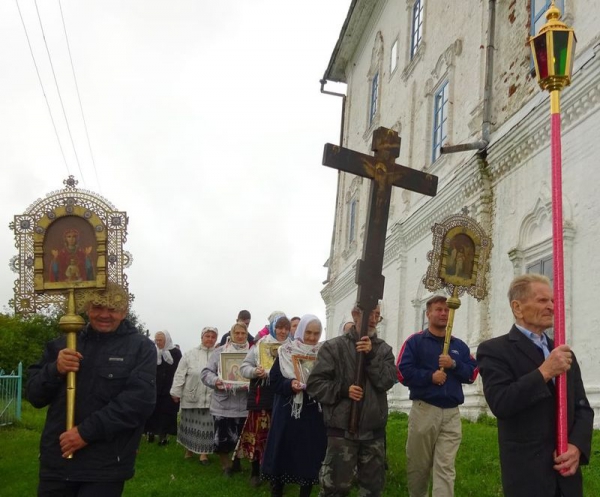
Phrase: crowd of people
(283, 400)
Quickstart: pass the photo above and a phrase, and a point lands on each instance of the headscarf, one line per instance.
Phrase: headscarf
(297, 347)
(345, 321)
(231, 346)
(206, 329)
(273, 323)
(164, 353)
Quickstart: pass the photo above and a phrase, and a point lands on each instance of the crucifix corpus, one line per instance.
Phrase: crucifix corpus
(384, 173)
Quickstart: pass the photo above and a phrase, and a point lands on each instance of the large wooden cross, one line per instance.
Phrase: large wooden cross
(384, 173)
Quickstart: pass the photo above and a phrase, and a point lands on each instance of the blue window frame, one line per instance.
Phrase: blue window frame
(374, 97)
(538, 9)
(440, 119)
(352, 221)
(417, 27)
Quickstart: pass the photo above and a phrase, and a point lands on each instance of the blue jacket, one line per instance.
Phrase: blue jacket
(419, 359)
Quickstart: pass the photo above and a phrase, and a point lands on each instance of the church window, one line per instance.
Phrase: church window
(440, 119)
(374, 98)
(417, 27)
(352, 221)
(394, 57)
(542, 266)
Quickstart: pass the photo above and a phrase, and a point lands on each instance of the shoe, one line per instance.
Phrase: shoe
(164, 441)
(204, 462)
(150, 438)
(255, 481)
(227, 473)
(236, 467)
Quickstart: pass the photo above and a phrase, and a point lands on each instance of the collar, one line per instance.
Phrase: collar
(539, 340)
(428, 334)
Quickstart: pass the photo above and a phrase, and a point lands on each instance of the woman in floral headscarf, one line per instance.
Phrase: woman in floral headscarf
(297, 439)
(163, 421)
(260, 398)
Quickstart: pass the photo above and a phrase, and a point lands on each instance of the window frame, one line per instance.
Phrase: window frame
(352, 210)
(416, 27)
(440, 111)
(374, 98)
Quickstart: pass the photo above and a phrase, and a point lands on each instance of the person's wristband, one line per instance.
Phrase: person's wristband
(453, 364)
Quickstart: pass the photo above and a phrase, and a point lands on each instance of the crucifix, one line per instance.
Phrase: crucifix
(384, 173)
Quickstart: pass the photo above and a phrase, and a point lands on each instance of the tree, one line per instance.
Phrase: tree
(22, 339)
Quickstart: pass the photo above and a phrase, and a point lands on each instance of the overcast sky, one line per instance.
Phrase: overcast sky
(207, 127)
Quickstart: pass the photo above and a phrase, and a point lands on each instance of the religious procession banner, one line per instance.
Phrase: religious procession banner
(70, 240)
(458, 263)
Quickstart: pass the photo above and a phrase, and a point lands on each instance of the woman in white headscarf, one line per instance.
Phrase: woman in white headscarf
(196, 426)
(228, 401)
(163, 421)
(297, 439)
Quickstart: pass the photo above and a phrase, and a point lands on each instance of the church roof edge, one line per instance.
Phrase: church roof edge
(357, 18)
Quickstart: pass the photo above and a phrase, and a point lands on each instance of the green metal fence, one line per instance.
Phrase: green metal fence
(10, 396)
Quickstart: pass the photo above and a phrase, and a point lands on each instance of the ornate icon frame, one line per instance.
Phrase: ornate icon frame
(266, 357)
(33, 291)
(439, 274)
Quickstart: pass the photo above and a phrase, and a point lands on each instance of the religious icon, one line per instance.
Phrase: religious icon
(460, 257)
(267, 353)
(229, 367)
(303, 366)
(69, 251)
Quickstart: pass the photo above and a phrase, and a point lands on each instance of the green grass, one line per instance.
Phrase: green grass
(163, 472)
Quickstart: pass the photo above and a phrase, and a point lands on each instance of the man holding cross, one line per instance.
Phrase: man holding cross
(332, 384)
(354, 371)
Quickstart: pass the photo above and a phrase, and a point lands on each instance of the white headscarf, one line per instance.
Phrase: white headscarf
(297, 347)
(164, 353)
(345, 321)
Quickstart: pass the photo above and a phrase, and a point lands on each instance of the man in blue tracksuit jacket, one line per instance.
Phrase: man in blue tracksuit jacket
(435, 383)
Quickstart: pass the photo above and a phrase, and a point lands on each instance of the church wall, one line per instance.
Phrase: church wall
(515, 208)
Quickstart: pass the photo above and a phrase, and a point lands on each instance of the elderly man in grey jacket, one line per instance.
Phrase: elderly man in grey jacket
(331, 383)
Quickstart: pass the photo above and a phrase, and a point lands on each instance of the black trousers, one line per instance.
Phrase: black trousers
(53, 488)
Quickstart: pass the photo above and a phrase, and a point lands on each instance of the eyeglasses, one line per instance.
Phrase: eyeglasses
(376, 315)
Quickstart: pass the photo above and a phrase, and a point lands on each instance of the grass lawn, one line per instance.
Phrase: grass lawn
(163, 472)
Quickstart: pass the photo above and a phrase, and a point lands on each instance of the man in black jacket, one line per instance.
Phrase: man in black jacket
(519, 371)
(115, 385)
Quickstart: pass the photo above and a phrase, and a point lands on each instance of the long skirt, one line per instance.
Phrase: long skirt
(254, 436)
(227, 433)
(196, 430)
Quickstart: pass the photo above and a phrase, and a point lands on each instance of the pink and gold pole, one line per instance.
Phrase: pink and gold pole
(553, 49)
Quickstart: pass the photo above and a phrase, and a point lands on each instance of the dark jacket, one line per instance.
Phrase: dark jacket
(333, 374)
(525, 407)
(115, 393)
(419, 359)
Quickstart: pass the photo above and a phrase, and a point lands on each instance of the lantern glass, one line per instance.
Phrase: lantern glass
(541, 55)
(561, 54)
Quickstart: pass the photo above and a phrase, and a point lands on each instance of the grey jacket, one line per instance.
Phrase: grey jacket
(333, 374)
(186, 382)
(225, 403)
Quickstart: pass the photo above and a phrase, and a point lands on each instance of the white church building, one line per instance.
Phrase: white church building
(459, 75)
